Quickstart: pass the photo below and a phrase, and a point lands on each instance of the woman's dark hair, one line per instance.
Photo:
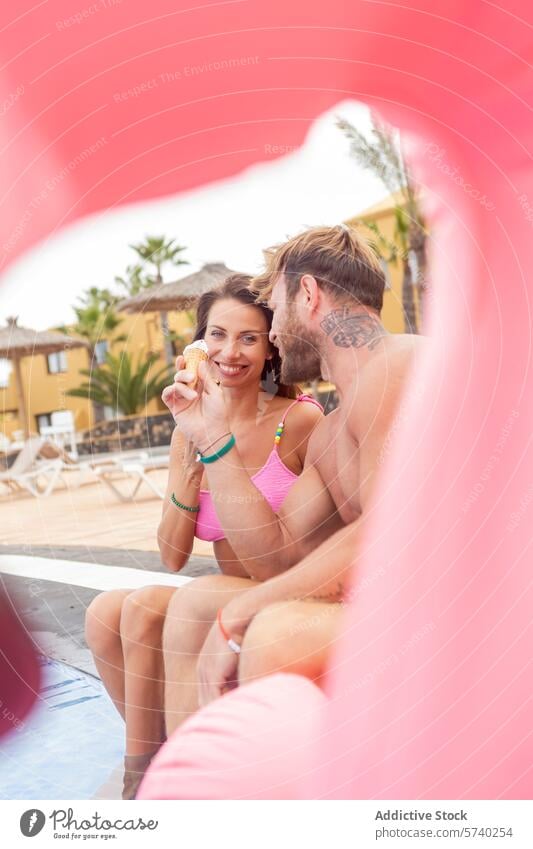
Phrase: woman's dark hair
(237, 287)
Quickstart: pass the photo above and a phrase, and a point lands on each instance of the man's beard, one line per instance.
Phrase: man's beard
(300, 355)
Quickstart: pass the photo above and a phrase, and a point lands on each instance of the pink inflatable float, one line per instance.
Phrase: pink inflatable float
(429, 695)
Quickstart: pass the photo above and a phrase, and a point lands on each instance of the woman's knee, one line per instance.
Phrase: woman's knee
(143, 615)
(102, 620)
(191, 612)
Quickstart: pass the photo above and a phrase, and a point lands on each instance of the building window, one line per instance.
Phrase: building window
(57, 363)
(100, 350)
(5, 373)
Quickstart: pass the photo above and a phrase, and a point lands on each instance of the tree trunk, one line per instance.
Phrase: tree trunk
(408, 300)
(418, 246)
(167, 344)
(98, 413)
(22, 408)
(98, 410)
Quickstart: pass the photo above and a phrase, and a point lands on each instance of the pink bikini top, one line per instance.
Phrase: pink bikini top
(274, 481)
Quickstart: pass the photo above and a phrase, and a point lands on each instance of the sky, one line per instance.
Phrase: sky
(230, 221)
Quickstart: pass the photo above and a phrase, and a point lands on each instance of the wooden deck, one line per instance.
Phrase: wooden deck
(86, 515)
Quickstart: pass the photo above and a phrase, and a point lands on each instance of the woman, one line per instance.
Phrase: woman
(123, 627)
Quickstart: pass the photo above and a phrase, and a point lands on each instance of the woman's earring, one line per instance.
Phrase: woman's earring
(269, 382)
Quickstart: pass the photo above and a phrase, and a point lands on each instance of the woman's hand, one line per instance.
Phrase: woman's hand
(179, 396)
(199, 414)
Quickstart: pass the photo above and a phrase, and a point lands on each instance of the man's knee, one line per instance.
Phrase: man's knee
(102, 620)
(264, 648)
(142, 617)
(286, 637)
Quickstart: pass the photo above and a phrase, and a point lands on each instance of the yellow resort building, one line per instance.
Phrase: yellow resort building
(47, 378)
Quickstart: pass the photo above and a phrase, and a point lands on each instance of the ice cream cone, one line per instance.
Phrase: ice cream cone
(195, 354)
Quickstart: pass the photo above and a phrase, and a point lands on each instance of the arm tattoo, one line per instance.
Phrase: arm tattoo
(352, 331)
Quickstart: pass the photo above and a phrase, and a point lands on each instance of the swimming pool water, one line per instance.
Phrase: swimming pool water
(68, 745)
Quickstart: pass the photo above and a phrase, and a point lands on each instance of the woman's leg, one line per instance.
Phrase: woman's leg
(291, 636)
(141, 628)
(190, 615)
(102, 633)
(124, 631)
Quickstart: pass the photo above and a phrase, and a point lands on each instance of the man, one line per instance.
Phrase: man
(325, 288)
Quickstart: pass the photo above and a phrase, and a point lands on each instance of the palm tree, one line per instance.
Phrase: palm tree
(96, 316)
(96, 321)
(393, 252)
(381, 153)
(120, 383)
(154, 253)
(133, 281)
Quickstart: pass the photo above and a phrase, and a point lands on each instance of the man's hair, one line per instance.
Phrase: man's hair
(337, 257)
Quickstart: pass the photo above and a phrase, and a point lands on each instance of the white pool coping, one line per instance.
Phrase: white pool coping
(94, 576)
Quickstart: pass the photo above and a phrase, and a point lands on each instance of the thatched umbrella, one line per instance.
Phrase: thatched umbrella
(18, 342)
(179, 295)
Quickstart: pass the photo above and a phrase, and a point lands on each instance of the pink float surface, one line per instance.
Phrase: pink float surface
(252, 747)
(429, 694)
(19, 669)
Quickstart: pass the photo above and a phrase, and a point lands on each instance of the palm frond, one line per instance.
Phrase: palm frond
(123, 384)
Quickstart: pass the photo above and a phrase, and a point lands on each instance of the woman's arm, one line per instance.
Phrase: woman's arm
(175, 534)
(302, 421)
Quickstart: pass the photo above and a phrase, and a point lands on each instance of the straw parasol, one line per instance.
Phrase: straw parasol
(18, 342)
(179, 295)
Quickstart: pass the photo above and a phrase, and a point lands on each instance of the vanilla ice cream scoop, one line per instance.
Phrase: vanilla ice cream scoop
(194, 354)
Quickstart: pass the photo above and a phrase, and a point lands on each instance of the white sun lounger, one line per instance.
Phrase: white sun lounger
(38, 477)
(135, 471)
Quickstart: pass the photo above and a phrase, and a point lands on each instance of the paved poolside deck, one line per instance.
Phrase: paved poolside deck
(86, 515)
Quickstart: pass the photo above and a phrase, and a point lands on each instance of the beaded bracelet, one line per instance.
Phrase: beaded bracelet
(234, 646)
(184, 506)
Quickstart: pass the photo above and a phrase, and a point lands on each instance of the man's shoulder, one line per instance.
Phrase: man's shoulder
(394, 359)
(385, 377)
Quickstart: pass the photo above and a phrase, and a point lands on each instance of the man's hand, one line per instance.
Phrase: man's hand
(217, 667)
(200, 413)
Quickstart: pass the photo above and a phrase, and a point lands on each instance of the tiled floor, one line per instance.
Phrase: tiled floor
(69, 744)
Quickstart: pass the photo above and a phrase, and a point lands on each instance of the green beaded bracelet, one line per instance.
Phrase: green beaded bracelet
(220, 453)
(183, 506)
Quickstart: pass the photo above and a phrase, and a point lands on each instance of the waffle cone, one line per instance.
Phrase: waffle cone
(193, 359)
